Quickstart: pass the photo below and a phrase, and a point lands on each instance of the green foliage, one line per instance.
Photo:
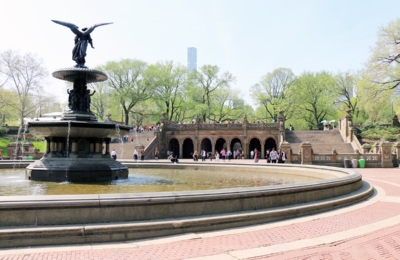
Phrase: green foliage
(377, 132)
(4, 141)
(313, 95)
(3, 130)
(271, 94)
(41, 145)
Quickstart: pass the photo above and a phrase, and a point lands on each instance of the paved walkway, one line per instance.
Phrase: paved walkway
(367, 230)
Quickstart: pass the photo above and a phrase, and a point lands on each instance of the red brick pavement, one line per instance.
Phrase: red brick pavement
(382, 244)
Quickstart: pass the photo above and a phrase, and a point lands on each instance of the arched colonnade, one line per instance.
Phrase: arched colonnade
(184, 147)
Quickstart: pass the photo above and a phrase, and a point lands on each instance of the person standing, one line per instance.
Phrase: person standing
(251, 154)
(156, 155)
(114, 154)
(281, 156)
(216, 156)
(273, 155)
(267, 156)
(223, 154)
(203, 155)
(135, 155)
(195, 156)
(255, 155)
(142, 155)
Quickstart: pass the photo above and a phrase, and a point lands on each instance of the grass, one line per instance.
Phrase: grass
(5, 140)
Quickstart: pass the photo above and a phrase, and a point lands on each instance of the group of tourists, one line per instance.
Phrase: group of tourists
(223, 155)
(136, 155)
(274, 156)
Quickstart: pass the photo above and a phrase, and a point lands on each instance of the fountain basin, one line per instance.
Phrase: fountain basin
(77, 151)
(69, 219)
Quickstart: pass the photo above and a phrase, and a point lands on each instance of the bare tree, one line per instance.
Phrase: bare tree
(347, 90)
(383, 65)
(23, 74)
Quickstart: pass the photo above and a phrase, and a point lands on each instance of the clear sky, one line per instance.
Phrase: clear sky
(248, 38)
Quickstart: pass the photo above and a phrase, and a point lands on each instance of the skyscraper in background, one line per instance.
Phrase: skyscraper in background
(191, 59)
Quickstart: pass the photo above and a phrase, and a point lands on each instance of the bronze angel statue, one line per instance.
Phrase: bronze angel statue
(82, 39)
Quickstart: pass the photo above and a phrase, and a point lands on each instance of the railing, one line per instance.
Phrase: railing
(338, 159)
(172, 126)
(149, 149)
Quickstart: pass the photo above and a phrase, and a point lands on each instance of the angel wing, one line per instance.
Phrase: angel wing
(73, 27)
(88, 31)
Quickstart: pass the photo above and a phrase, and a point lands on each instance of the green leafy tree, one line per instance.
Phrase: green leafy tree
(205, 82)
(227, 106)
(313, 95)
(128, 84)
(169, 81)
(271, 93)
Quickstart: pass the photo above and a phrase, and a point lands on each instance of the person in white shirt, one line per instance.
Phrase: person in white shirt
(114, 154)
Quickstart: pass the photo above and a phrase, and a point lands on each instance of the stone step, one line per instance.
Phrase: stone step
(321, 141)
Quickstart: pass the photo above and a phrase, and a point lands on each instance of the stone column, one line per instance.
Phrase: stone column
(262, 152)
(285, 146)
(386, 155)
(60, 147)
(281, 125)
(181, 149)
(97, 149)
(306, 153)
(48, 148)
(245, 145)
(107, 152)
(334, 156)
(53, 149)
(348, 119)
(91, 147)
(74, 149)
(396, 152)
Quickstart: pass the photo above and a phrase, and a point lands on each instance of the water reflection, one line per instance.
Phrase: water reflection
(13, 182)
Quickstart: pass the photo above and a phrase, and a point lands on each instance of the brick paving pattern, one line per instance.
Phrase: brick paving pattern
(381, 244)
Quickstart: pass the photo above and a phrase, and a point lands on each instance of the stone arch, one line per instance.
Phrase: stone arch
(254, 143)
(220, 144)
(236, 144)
(187, 148)
(173, 146)
(270, 143)
(206, 145)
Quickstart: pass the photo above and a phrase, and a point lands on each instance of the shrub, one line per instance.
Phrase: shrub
(3, 130)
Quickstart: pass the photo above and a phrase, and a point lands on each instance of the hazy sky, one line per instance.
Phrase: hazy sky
(248, 38)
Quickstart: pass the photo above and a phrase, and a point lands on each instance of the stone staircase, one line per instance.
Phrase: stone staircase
(321, 141)
(125, 150)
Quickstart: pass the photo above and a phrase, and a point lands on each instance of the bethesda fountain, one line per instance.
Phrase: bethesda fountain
(77, 144)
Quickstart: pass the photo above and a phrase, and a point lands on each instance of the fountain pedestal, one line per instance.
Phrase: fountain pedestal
(77, 145)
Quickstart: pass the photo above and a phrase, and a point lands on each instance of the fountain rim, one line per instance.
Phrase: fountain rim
(70, 123)
(349, 177)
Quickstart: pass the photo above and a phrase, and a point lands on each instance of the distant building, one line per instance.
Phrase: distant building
(191, 59)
